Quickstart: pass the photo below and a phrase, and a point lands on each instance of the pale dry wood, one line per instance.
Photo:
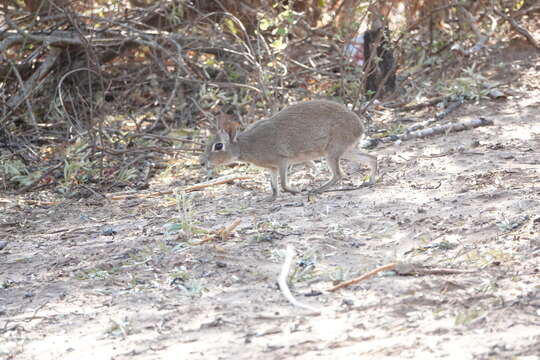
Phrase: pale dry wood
(363, 277)
(218, 181)
(436, 130)
(447, 128)
(223, 233)
(282, 281)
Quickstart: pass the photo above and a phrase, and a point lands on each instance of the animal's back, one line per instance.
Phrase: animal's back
(307, 129)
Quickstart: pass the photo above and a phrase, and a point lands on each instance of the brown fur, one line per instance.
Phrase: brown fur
(299, 133)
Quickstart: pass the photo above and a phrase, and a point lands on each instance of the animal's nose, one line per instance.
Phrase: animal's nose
(205, 164)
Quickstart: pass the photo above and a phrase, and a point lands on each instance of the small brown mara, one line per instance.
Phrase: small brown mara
(299, 133)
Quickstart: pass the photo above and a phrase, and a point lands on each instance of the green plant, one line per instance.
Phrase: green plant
(471, 85)
(280, 25)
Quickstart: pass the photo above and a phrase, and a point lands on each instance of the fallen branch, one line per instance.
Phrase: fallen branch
(363, 277)
(439, 116)
(282, 281)
(218, 181)
(443, 129)
(223, 233)
(437, 130)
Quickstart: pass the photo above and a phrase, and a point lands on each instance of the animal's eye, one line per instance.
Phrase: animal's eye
(218, 146)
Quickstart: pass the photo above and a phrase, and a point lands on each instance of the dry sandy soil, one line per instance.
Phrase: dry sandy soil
(95, 279)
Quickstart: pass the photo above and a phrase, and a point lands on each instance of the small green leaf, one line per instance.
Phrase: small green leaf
(281, 31)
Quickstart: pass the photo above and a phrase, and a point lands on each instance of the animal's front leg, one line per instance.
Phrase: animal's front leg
(273, 183)
(284, 180)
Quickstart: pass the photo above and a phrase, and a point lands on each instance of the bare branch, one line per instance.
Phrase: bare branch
(35, 81)
(481, 39)
(519, 29)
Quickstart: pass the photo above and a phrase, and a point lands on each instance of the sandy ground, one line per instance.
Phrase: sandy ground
(95, 279)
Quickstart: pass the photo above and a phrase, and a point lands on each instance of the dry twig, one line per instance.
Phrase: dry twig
(35, 81)
(223, 233)
(363, 277)
(434, 271)
(519, 29)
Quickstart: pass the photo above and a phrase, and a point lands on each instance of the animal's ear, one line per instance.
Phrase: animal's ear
(213, 129)
(227, 126)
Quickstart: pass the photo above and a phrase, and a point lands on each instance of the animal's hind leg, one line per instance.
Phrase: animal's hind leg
(333, 163)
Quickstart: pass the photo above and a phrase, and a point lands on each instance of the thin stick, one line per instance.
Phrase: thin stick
(519, 29)
(363, 277)
(34, 83)
(224, 232)
(218, 181)
(435, 271)
(282, 281)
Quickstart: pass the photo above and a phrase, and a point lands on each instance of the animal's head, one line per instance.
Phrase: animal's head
(219, 145)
